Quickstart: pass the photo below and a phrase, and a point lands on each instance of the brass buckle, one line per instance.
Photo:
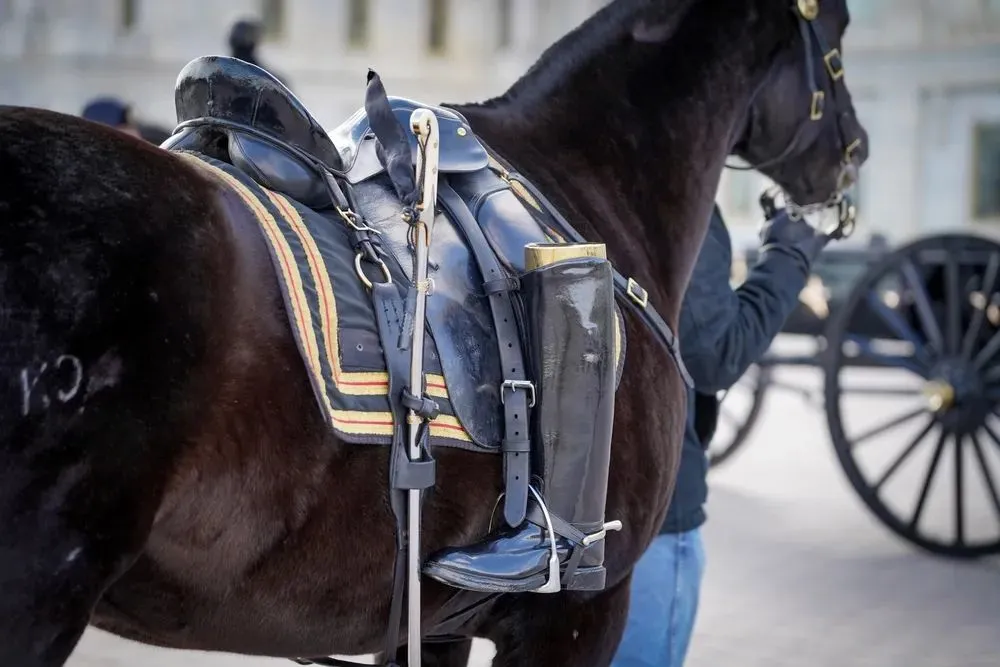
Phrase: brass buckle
(816, 106)
(851, 147)
(808, 9)
(637, 293)
(835, 74)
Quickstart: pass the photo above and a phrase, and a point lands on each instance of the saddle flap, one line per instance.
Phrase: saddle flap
(276, 169)
(460, 152)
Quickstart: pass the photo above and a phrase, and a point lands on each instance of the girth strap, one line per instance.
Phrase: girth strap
(629, 291)
(517, 395)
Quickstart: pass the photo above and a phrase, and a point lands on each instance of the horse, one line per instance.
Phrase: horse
(165, 474)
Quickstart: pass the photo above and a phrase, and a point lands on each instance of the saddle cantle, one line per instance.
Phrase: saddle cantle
(248, 106)
(460, 151)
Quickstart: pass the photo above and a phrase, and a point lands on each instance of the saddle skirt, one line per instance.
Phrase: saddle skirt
(332, 317)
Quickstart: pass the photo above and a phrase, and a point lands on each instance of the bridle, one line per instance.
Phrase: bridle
(848, 134)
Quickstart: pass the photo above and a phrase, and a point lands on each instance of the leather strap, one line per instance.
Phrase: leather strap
(514, 397)
(404, 474)
(628, 291)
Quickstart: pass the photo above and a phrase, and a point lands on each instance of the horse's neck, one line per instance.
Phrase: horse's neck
(636, 166)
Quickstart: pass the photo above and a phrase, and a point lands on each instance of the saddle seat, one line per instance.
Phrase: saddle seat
(263, 128)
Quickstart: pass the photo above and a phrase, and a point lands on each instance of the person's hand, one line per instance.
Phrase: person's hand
(796, 237)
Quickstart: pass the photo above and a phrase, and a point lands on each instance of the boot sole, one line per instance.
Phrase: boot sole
(588, 579)
(584, 579)
(483, 584)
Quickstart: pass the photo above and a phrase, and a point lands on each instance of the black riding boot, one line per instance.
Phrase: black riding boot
(571, 320)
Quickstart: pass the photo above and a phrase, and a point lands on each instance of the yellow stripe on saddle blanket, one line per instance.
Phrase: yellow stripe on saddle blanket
(354, 402)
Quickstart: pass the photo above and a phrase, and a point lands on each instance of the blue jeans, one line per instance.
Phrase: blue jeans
(665, 586)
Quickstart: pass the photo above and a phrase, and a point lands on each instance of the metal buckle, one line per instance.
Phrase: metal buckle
(602, 533)
(637, 293)
(835, 74)
(552, 585)
(515, 385)
(351, 218)
(851, 147)
(816, 106)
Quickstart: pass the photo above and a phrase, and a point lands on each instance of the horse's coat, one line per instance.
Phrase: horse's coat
(190, 494)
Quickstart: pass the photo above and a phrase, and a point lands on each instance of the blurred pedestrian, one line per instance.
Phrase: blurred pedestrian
(722, 332)
(244, 38)
(114, 112)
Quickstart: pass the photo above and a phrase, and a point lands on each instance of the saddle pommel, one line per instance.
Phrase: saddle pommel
(537, 255)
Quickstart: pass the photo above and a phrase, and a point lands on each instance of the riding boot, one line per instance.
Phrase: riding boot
(571, 330)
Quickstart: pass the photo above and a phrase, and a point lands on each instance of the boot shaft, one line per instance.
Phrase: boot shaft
(571, 324)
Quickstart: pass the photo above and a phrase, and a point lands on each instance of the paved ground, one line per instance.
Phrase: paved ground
(799, 573)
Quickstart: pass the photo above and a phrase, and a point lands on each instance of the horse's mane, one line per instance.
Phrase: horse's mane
(577, 52)
(575, 49)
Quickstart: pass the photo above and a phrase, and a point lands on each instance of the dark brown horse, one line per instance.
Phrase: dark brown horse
(164, 471)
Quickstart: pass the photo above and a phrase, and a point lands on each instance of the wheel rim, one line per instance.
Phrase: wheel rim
(927, 462)
(739, 408)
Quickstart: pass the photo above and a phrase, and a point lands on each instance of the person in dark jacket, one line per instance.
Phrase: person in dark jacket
(722, 332)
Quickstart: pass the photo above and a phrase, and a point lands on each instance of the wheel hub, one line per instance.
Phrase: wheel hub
(940, 395)
(956, 395)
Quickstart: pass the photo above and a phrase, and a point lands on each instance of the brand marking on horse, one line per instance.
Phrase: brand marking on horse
(67, 395)
(30, 389)
(28, 386)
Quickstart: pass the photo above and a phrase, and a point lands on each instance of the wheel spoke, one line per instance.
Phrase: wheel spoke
(986, 354)
(977, 447)
(922, 501)
(979, 314)
(953, 303)
(878, 430)
(891, 470)
(898, 326)
(959, 493)
(922, 304)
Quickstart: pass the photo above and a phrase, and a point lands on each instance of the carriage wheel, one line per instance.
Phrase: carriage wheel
(912, 393)
(739, 408)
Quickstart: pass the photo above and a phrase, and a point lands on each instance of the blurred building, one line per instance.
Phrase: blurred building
(925, 76)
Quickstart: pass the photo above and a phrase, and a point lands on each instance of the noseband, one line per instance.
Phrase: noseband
(848, 136)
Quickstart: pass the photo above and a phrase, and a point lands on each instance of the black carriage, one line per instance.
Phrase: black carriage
(908, 343)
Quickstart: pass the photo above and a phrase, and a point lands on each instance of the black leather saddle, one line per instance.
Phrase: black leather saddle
(226, 105)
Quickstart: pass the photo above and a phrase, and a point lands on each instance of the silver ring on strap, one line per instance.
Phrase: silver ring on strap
(364, 279)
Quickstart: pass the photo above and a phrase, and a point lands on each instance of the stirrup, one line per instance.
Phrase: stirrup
(552, 585)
